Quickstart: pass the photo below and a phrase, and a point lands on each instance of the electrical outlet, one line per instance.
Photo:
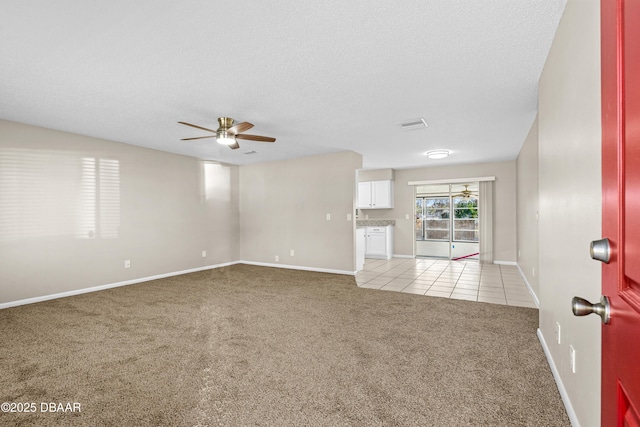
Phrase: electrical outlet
(127, 263)
(292, 252)
(572, 359)
(204, 254)
(558, 333)
(277, 258)
(328, 217)
(406, 216)
(348, 217)
(533, 271)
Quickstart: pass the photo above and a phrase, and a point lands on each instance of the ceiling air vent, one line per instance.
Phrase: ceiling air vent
(413, 124)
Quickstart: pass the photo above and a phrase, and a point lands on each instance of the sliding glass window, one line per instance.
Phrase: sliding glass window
(433, 218)
(465, 223)
(446, 220)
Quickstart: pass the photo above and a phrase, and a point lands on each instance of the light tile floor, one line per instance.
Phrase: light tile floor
(464, 279)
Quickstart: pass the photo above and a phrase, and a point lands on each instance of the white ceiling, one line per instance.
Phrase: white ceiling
(320, 76)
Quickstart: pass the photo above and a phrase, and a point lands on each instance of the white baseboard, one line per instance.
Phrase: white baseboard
(109, 286)
(402, 256)
(556, 375)
(533, 294)
(505, 262)
(298, 267)
(162, 276)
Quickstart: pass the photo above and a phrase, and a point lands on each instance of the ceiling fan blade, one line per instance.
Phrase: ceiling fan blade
(240, 127)
(256, 138)
(199, 137)
(235, 146)
(197, 127)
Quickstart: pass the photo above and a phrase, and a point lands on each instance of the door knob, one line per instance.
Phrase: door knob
(582, 307)
(600, 250)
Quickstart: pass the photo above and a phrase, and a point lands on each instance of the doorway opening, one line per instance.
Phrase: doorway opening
(447, 223)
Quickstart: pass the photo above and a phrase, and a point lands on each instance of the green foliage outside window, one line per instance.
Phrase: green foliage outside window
(466, 208)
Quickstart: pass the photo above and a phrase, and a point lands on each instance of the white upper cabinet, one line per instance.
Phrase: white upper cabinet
(375, 194)
(365, 198)
(382, 194)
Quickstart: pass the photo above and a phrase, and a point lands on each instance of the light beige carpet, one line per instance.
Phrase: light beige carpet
(246, 345)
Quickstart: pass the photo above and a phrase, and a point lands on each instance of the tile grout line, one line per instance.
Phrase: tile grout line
(461, 272)
(436, 266)
(504, 293)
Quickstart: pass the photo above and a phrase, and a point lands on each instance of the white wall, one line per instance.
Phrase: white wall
(283, 206)
(156, 209)
(570, 202)
(527, 208)
(504, 239)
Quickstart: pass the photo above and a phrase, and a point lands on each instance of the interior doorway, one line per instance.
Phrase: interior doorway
(447, 223)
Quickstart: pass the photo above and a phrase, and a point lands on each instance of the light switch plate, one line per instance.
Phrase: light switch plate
(572, 359)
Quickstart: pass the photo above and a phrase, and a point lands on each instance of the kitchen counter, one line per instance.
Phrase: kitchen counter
(374, 222)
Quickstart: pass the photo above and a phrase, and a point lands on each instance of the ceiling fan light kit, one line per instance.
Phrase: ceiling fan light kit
(438, 154)
(225, 139)
(227, 133)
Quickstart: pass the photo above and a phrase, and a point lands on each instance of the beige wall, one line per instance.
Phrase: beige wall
(570, 201)
(527, 208)
(504, 204)
(74, 208)
(283, 206)
(376, 175)
(158, 210)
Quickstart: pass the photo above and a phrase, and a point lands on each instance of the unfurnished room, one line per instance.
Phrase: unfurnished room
(319, 213)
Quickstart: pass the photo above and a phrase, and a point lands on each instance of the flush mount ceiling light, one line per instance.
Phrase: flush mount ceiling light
(437, 154)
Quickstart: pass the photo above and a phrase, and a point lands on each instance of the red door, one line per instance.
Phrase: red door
(620, 36)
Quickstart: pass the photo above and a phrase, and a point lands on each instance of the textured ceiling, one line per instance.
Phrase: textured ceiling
(320, 76)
